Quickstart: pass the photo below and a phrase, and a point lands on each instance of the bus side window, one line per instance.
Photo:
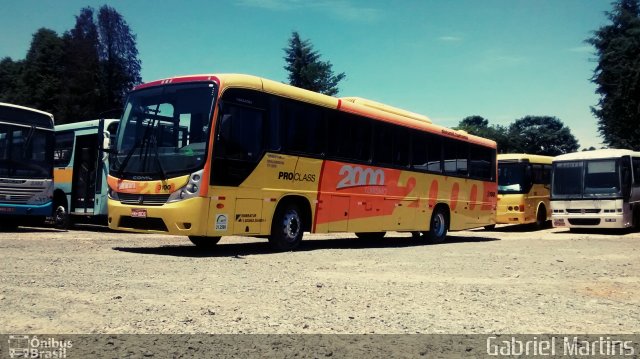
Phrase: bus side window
(63, 149)
(636, 171)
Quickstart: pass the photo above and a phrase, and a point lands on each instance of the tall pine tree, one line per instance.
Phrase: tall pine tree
(118, 58)
(617, 76)
(306, 70)
(81, 97)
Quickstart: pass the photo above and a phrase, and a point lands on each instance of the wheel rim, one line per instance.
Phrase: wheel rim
(291, 225)
(61, 214)
(438, 224)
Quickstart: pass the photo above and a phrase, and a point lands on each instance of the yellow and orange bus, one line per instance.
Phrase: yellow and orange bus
(524, 183)
(207, 156)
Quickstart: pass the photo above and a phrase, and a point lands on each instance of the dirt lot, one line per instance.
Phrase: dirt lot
(508, 280)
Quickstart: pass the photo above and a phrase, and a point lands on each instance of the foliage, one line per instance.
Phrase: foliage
(306, 70)
(617, 76)
(77, 76)
(543, 135)
(479, 126)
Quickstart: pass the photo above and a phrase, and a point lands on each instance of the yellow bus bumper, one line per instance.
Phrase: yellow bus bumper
(183, 218)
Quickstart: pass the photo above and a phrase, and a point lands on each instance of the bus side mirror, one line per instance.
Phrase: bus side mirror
(106, 144)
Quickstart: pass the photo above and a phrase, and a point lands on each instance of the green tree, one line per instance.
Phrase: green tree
(542, 135)
(41, 79)
(81, 97)
(479, 126)
(118, 58)
(10, 72)
(306, 70)
(617, 76)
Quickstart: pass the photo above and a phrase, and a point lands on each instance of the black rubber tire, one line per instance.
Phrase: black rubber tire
(370, 236)
(490, 227)
(61, 217)
(438, 227)
(286, 228)
(541, 217)
(204, 242)
(7, 226)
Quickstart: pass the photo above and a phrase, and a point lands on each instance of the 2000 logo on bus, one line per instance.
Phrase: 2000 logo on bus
(357, 176)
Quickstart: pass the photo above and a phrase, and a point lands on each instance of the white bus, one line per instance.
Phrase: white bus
(596, 189)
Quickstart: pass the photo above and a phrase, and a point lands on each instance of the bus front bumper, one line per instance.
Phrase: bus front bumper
(26, 210)
(183, 218)
(614, 220)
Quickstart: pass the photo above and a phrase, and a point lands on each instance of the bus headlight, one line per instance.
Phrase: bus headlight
(190, 190)
(113, 194)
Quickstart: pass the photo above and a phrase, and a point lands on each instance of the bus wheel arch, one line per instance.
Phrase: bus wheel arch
(291, 218)
(438, 224)
(61, 217)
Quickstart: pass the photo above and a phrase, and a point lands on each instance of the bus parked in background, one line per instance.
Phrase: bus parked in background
(207, 156)
(596, 189)
(524, 183)
(26, 165)
(81, 170)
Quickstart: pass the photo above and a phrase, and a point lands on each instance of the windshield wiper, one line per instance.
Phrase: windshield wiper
(155, 143)
(145, 137)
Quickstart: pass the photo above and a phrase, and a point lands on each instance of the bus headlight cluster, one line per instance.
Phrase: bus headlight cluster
(190, 190)
(113, 194)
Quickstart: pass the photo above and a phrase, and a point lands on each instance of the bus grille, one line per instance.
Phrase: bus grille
(145, 224)
(584, 221)
(585, 210)
(143, 199)
(18, 195)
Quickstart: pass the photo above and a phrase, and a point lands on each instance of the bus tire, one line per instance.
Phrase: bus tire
(541, 217)
(370, 236)
(286, 227)
(204, 242)
(439, 225)
(61, 217)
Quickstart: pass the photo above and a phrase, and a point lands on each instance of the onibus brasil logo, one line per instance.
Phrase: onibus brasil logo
(25, 346)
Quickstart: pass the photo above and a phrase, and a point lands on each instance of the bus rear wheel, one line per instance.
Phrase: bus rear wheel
(439, 226)
(204, 242)
(286, 228)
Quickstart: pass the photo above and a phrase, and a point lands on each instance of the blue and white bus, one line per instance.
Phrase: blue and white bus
(26, 166)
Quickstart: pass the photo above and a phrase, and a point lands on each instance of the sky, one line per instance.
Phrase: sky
(447, 59)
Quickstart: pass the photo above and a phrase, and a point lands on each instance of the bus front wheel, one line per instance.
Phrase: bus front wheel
(61, 217)
(541, 217)
(204, 242)
(439, 226)
(286, 228)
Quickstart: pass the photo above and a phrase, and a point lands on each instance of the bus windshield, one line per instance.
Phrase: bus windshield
(587, 179)
(164, 131)
(25, 152)
(513, 178)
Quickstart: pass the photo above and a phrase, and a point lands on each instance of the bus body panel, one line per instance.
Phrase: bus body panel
(519, 207)
(26, 175)
(80, 162)
(342, 197)
(339, 196)
(619, 208)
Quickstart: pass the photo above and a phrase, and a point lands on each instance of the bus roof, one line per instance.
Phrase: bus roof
(588, 155)
(85, 124)
(525, 156)
(48, 123)
(363, 107)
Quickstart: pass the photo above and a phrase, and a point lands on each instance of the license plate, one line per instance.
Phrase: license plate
(138, 213)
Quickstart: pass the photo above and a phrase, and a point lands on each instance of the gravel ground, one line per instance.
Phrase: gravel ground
(509, 280)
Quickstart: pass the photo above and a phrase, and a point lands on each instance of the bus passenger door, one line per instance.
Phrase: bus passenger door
(85, 167)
